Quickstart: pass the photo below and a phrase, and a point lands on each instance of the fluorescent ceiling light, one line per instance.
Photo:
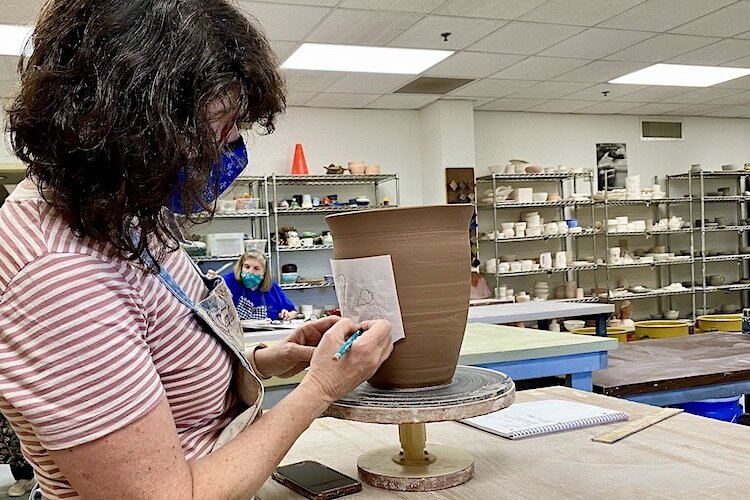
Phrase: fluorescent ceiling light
(13, 39)
(357, 58)
(680, 75)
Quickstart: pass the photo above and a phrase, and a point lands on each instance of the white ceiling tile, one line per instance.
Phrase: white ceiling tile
(737, 83)
(416, 6)
(742, 62)
(467, 64)
(493, 88)
(340, 100)
(310, 81)
(494, 9)
(729, 21)
(561, 106)
(663, 15)
(362, 27)
(525, 38)
(426, 33)
(653, 93)
(511, 104)
(661, 47)
(600, 71)
(594, 43)
(655, 108)
(595, 93)
(324, 3)
(23, 12)
(283, 49)
(742, 98)
(716, 53)
(285, 22)
(702, 96)
(694, 110)
(730, 112)
(578, 12)
(369, 83)
(540, 68)
(298, 98)
(610, 107)
(549, 90)
(402, 101)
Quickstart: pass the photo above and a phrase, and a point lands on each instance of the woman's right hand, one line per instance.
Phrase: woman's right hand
(336, 378)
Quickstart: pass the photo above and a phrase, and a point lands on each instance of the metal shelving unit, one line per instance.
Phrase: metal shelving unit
(280, 185)
(256, 222)
(697, 181)
(567, 208)
(661, 268)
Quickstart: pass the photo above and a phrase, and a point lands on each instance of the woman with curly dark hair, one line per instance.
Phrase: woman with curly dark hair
(124, 369)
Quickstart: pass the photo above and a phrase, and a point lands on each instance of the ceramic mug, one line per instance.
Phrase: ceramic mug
(545, 260)
(561, 259)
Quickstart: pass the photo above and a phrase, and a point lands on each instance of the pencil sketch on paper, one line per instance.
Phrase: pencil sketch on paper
(366, 290)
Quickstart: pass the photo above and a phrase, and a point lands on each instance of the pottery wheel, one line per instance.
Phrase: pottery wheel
(416, 465)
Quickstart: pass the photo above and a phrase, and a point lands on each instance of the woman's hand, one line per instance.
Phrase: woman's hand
(285, 315)
(292, 355)
(334, 379)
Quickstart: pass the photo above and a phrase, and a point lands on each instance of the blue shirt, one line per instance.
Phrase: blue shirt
(274, 299)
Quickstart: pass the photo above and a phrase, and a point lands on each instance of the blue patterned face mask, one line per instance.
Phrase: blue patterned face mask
(251, 280)
(232, 162)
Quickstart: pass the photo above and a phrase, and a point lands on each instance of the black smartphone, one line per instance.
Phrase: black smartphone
(315, 480)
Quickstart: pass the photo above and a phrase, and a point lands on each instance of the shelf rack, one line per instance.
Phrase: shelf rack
(697, 181)
(567, 207)
(281, 183)
(257, 221)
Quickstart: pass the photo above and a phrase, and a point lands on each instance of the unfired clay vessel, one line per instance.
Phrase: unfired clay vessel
(429, 247)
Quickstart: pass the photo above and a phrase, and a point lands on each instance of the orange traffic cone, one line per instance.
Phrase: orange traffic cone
(299, 165)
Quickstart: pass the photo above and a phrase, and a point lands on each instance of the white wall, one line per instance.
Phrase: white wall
(387, 138)
(557, 139)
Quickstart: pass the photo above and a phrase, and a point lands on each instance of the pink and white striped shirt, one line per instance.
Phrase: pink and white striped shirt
(89, 343)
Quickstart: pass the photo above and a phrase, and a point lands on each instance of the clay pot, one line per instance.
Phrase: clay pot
(429, 247)
(372, 169)
(356, 167)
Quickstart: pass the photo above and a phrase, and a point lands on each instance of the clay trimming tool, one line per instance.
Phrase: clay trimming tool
(416, 465)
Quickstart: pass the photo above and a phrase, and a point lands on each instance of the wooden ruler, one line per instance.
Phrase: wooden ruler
(636, 425)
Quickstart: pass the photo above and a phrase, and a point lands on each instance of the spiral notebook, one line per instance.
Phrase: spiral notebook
(534, 418)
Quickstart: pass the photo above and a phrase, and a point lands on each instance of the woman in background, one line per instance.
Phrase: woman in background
(254, 293)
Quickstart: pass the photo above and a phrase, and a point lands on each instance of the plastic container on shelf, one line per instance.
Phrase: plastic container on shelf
(221, 244)
(257, 245)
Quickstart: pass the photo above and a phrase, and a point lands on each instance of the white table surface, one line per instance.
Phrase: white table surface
(535, 311)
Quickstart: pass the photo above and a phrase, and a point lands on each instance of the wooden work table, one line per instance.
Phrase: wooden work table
(682, 457)
(679, 369)
(522, 353)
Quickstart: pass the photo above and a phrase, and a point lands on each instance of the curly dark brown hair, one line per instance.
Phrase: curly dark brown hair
(113, 107)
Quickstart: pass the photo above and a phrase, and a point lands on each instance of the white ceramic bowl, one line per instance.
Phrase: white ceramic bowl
(539, 197)
(571, 324)
(671, 314)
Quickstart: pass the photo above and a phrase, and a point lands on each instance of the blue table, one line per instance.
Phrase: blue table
(525, 354)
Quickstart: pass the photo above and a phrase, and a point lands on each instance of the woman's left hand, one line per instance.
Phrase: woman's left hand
(292, 355)
(285, 315)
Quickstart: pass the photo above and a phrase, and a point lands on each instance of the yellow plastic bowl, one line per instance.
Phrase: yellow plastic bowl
(720, 322)
(613, 332)
(660, 329)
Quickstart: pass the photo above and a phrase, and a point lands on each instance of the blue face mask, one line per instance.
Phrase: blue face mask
(251, 280)
(231, 164)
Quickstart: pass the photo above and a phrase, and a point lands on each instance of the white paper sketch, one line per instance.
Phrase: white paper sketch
(366, 290)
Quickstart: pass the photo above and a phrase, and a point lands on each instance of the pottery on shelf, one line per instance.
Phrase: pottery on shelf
(420, 240)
